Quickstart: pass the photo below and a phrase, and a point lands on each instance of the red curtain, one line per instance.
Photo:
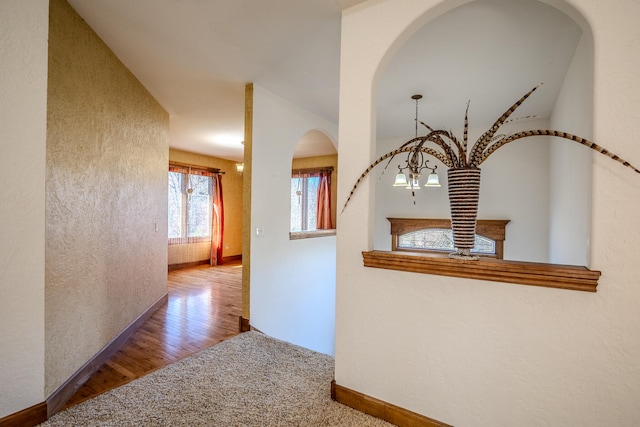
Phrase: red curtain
(323, 212)
(217, 222)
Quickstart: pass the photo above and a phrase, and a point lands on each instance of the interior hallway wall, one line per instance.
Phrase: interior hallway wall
(292, 281)
(106, 197)
(23, 107)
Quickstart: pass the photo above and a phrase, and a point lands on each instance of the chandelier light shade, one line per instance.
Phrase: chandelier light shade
(414, 181)
(401, 180)
(433, 180)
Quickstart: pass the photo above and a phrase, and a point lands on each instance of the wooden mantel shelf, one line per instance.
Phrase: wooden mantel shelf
(518, 272)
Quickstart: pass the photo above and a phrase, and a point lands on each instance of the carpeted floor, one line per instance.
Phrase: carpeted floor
(248, 380)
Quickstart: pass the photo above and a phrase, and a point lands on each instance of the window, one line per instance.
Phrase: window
(310, 200)
(190, 206)
(435, 235)
(441, 239)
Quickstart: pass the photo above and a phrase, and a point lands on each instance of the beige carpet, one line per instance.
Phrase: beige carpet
(248, 380)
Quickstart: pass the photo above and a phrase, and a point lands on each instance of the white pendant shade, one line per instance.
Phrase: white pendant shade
(401, 180)
(433, 180)
(414, 182)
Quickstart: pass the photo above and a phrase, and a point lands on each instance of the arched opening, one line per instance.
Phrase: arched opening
(314, 176)
(489, 53)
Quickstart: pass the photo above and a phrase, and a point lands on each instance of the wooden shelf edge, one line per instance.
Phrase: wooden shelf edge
(516, 272)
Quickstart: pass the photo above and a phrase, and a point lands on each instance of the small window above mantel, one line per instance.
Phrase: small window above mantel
(486, 268)
(434, 235)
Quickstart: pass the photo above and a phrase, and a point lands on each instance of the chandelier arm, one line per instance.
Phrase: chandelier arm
(448, 158)
(482, 142)
(438, 155)
(571, 137)
(391, 159)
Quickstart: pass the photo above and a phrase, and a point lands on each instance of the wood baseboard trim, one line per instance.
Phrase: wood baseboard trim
(377, 408)
(28, 417)
(244, 325)
(187, 265)
(59, 397)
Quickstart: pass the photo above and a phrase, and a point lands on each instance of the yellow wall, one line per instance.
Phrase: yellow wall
(323, 161)
(106, 197)
(232, 196)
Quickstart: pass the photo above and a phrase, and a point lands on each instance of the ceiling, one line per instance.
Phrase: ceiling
(196, 56)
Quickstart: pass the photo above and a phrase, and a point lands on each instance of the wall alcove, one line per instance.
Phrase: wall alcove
(542, 185)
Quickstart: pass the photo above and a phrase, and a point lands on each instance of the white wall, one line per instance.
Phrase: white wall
(292, 281)
(481, 353)
(23, 101)
(571, 163)
(517, 190)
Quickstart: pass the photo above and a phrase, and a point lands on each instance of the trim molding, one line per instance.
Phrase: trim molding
(377, 408)
(496, 270)
(173, 267)
(28, 417)
(59, 397)
(244, 325)
(232, 258)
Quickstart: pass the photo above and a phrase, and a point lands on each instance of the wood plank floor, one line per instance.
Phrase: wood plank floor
(204, 307)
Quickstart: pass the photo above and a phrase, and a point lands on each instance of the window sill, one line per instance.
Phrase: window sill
(517, 272)
(296, 235)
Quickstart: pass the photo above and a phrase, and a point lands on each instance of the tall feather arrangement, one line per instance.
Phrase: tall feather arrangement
(453, 152)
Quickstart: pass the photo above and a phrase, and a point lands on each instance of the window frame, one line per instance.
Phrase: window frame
(494, 229)
(309, 173)
(186, 169)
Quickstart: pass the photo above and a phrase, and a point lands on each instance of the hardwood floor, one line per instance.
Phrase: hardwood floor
(203, 309)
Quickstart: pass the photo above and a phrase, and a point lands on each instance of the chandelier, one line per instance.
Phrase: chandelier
(416, 163)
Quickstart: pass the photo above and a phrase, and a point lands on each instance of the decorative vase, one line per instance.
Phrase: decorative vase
(464, 195)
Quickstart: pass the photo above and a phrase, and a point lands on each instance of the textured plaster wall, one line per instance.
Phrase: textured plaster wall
(232, 193)
(482, 353)
(23, 103)
(292, 281)
(106, 191)
(323, 161)
(570, 207)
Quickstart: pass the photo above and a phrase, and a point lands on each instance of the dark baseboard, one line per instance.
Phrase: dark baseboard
(244, 325)
(187, 265)
(203, 262)
(59, 397)
(28, 417)
(377, 408)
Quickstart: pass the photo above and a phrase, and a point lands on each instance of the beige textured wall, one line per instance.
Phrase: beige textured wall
(232, 195)
(106, 185)
(323, 161)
